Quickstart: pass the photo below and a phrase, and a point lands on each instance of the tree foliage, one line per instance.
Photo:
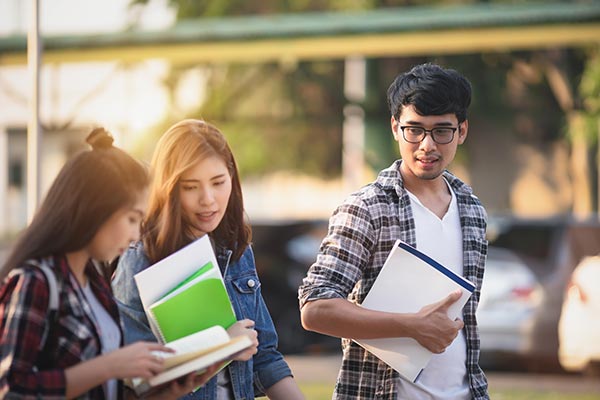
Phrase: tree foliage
(290, 116)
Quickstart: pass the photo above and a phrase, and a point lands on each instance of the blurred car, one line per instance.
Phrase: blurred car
(551, 248)
(284, 250)
(579, 326)
(510, 296)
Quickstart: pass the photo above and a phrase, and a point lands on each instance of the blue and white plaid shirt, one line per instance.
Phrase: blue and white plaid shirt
(361, 234)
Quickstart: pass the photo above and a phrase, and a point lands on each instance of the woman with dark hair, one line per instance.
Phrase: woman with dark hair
(92, 211)
(196, 191)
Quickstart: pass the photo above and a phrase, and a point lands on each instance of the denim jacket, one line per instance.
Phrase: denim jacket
(248, 378)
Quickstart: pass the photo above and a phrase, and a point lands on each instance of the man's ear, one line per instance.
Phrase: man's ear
(395, 128)
(463, 129)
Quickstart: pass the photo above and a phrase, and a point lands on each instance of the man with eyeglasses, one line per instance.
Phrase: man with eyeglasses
(418, 201)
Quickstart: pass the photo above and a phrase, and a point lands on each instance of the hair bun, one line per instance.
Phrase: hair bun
(99, 138)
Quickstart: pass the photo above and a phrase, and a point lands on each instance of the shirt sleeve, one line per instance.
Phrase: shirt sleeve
(343, 255)
(23, 309)
(135, 322)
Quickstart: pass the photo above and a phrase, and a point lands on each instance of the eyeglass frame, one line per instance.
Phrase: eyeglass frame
(425, 131)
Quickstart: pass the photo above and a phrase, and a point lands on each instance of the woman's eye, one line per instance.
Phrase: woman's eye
(188, 188)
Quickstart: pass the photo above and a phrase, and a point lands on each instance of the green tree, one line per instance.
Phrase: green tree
(289, 116)
(273, 114)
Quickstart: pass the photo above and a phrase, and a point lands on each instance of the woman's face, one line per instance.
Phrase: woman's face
(204, 192)
(121, 228)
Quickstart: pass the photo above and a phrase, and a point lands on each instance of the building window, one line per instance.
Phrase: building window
(15, 174)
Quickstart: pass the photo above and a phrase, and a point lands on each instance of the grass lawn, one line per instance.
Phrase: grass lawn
(322, 391)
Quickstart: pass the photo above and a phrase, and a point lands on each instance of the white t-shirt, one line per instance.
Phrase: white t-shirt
(110, 336)
(224, 389)
(445, 376)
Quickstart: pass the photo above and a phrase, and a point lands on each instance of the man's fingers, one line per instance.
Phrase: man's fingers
(459, 323)
(451, 298)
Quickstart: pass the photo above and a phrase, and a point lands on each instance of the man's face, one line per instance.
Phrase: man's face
(427, 159)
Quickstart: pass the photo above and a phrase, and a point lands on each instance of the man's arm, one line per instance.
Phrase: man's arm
(431, 326)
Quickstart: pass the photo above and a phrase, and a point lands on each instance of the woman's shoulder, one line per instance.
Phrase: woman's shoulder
(246, 261)
(134, 258)
(247, 254)
(27, 279)
(26, 271)
(32, 268)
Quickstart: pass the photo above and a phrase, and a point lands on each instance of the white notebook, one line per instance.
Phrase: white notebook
(408, 281)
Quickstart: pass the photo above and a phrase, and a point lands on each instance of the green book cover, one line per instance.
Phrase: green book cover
(200, 306)
(205, 268)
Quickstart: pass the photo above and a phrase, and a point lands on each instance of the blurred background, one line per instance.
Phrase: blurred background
(299, 89)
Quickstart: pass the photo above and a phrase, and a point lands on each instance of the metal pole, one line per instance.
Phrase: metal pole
(33, 124)
(598, 170)
(353, 144)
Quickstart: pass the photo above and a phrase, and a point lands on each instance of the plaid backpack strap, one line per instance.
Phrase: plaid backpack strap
(52, 312)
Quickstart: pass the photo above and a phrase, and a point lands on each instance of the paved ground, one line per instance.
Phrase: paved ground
(319, 369)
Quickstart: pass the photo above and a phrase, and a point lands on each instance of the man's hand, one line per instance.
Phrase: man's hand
(434, 330)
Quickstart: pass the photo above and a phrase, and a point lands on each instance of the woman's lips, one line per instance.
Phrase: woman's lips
(206, 216)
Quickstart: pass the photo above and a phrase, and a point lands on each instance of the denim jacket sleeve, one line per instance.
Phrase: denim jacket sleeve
(133, 317)
(269, 367)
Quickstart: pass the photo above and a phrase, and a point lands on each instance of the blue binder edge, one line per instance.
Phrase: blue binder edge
(465, 284)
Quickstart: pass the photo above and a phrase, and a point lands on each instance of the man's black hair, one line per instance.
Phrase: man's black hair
(432, 90)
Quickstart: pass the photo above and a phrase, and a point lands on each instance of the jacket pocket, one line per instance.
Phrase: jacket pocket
(246, 289)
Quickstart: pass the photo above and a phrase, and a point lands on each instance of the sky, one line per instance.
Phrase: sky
(81, 16)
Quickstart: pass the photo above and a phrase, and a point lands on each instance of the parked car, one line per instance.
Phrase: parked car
(510, 296)
(284, 250)
(551, 248)
(579, 325)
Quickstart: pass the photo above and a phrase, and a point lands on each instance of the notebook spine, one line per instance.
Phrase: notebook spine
(156, 328)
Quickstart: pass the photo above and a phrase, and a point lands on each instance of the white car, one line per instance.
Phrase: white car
(510, 297)
(579, 325)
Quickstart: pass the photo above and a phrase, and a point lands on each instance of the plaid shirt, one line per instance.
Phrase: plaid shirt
(26, 372)
(361, 233)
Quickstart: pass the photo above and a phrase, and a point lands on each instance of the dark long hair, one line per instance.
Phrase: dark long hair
(89, 188)
(165, 229)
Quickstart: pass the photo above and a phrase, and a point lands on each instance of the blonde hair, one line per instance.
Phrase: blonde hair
(166, 229)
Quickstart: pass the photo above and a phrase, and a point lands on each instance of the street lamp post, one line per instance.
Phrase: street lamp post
(33, 124)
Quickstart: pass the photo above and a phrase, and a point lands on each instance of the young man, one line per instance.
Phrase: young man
(418, 201)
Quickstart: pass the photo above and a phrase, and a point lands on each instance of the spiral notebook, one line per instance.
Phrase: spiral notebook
(184, 293)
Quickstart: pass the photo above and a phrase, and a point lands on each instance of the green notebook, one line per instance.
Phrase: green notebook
(206, 268)
(201, 305)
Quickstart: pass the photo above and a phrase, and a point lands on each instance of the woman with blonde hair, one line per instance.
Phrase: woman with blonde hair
(196, 191)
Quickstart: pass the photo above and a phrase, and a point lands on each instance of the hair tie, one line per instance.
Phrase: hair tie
(99, 138)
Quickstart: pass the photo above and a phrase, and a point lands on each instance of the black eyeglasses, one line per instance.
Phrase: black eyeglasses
(416, 134)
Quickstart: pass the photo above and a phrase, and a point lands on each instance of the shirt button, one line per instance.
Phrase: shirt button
(251, 283)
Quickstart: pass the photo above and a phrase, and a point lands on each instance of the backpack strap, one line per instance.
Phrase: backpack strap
(52, 287)
(52, 311)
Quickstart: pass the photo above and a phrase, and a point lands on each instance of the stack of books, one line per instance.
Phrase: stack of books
(188, 309)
